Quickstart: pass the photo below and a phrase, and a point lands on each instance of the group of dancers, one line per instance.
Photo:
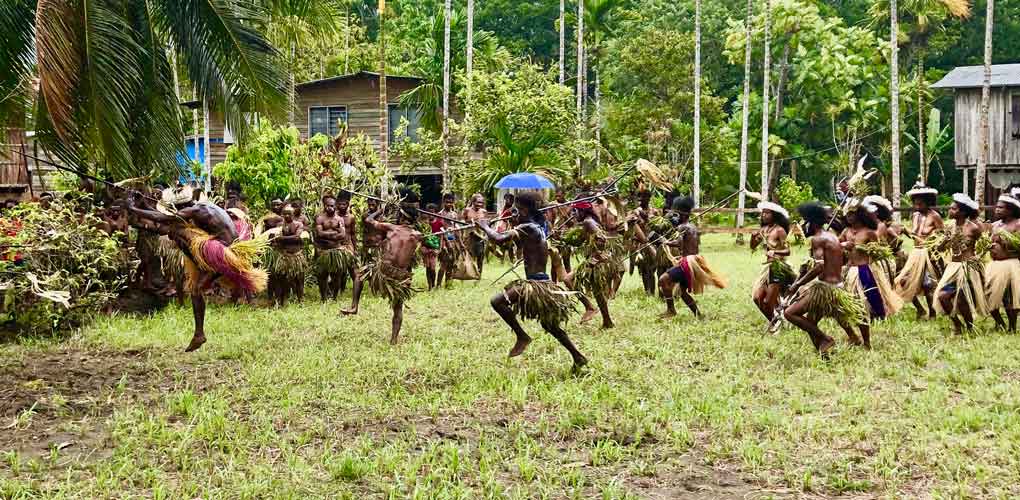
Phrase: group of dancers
(857, 271)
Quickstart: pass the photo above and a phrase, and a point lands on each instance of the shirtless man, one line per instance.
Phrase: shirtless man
(334, 252)
(691, 272)
(536, 296)
(560, 217)
(371, 238)
(451, 244)
(1002, 274)
(475, 212)
(206, 236)
(646, 258)
(343, 209)
(390, 276)
(299, 212)
(288, 274)
(819, 293)
(961, 291)
(114, 221)
(864, 276)
(273, 219)
(776, 274)
(919, 271)
(594, 276)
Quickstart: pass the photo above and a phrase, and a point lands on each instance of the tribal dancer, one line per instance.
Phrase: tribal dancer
(429, 256)
(451, 246)
(205, 235)
(819, 293)
(962, 287)
(269, 226)
(474, 212)
(645, 259)
(343, 209)
(535, 297)
(890, 234)
(560, 217)
(917, 277)
(390, 276)
(334, 251)
(371, 239)
(691, 273)
(291, 265)
(1002, 274)
(776, 275)
(865, 276)
(594, 276)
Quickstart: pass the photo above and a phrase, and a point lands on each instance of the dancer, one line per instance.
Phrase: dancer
(535, 297)
(1002, 274)
(890, 234)
(290, 266)
(451, 245)
(204, 234)
(819, 293)
(371, 238)
(645, 259)
(429, 255)
(343, 209)
(865, 277)
(594, 276)
(474, 212)
(692, 272)
(961, 291)
(334, 251)
(917, 277)
(390, 275)
(776, 275)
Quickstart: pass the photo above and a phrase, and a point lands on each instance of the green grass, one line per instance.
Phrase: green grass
(300, 403)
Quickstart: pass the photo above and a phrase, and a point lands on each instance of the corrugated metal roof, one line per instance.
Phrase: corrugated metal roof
(966, 77)
(360, 74)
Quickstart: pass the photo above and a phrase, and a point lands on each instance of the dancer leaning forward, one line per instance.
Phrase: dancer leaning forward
(866, 274)
(1002, 274)
(537, 296)
(917, 277)
(961, 291)
(819, 293)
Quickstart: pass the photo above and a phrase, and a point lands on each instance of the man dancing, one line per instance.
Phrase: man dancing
(918, 274)
(343, 209)
(645, 258)
(864, 276)
(819, 293)
(334, 252)
(1002, 274)
(451, 246)
(776, 275)
(691, 273)
(535, 297)
(475, 212)
(390, 275)
(208, 240)
(594, 277)
(962, 287)
(371, 239)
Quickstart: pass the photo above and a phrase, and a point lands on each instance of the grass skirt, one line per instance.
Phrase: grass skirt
(664, 258)
(825, 300)
(548, 302)
(1002, 276)
(969, 281)
(594, 277)
(388, 281)
(334, 260)
(884, 301)
(776, 272)
(290, 266)
(450, 252)
(235, 263)
(917, 270)
(701, 275)
(172, 257)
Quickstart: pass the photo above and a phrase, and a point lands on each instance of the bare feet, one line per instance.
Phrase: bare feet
(667, 315)
(825, 346)
(196, 342)
(349, 311)
(606, 325)
(520, 346)
(579, 364)
(588, 315)
(393, 339)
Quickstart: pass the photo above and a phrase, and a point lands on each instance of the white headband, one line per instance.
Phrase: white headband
(965, 200)
(773, 207)
(1009, 199)
(878, 201)
(922, 190)
(1015, 192)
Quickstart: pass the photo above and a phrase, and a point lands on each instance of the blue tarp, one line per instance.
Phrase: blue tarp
(524, 180)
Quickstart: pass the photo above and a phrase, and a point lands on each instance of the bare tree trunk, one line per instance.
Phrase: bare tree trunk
(563, 41)
(207, 157)
(784, 67)
(986, 91)
(765, 103)
(384, 112)
(745, 112)
(598, 121)
(347, 42)
(894, 105)
(291, 95)
(920, 122)
(446, 97)
(697, 103)
(580, 75)
(470, 42)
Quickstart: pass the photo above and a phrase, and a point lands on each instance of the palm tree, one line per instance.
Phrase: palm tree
(986, 89)
(510, 155)
(598, 26)
(894, 95)
(765, 103)
(745, 112)
(446, 96)
(580, 75)
(697, 103)
(106, 100)
(384, 109)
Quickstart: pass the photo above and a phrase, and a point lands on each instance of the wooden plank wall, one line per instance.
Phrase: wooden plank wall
(1003, 148)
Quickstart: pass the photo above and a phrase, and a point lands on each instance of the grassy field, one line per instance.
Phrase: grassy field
(301, 403)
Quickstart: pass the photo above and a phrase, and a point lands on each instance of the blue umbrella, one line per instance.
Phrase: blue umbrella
(524, 180)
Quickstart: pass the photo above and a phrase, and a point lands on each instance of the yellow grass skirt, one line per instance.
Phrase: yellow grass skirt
(918, 267)
(1002, 276)
(825, 300)
(891, 301)
(702, 275)
(968, 280)
(235, 263)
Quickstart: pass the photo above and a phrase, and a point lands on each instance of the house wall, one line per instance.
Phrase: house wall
(1003, 142)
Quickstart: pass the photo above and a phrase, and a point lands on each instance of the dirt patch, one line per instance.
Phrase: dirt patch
(60, 399)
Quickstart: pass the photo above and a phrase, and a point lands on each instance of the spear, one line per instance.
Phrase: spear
(698, 215)
(388, 202)
(79, 174)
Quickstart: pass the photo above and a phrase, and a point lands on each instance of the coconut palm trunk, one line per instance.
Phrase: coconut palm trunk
(745, 114)
(563, 41)
(470, 43)
(446, 96)
(765, 103)
(697, 103)
(580, 75)
(894, 105)
(384, 112)
(986, 90)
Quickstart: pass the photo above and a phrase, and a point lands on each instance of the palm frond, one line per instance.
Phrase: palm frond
(16, 40)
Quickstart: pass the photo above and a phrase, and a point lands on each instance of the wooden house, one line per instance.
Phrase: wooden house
(1003, 123)
(319, 106)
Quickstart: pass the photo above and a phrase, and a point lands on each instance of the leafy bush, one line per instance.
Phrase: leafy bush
(791, 194)
(264, 167)
(58, 269)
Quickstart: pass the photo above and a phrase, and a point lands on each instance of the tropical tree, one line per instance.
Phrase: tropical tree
(106, 101)
(598, 26)
(446, 95)
(697, 103)
(986, 89)
(510, 154)
(745, 110)
(894, 99)
(765, 102)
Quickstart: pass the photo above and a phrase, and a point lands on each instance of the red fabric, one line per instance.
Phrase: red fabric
(11, 228)
(213, 252)
(582, 205)
(437, 224)
(244, 232)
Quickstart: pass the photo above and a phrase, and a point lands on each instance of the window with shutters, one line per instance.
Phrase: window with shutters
(326, 120)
